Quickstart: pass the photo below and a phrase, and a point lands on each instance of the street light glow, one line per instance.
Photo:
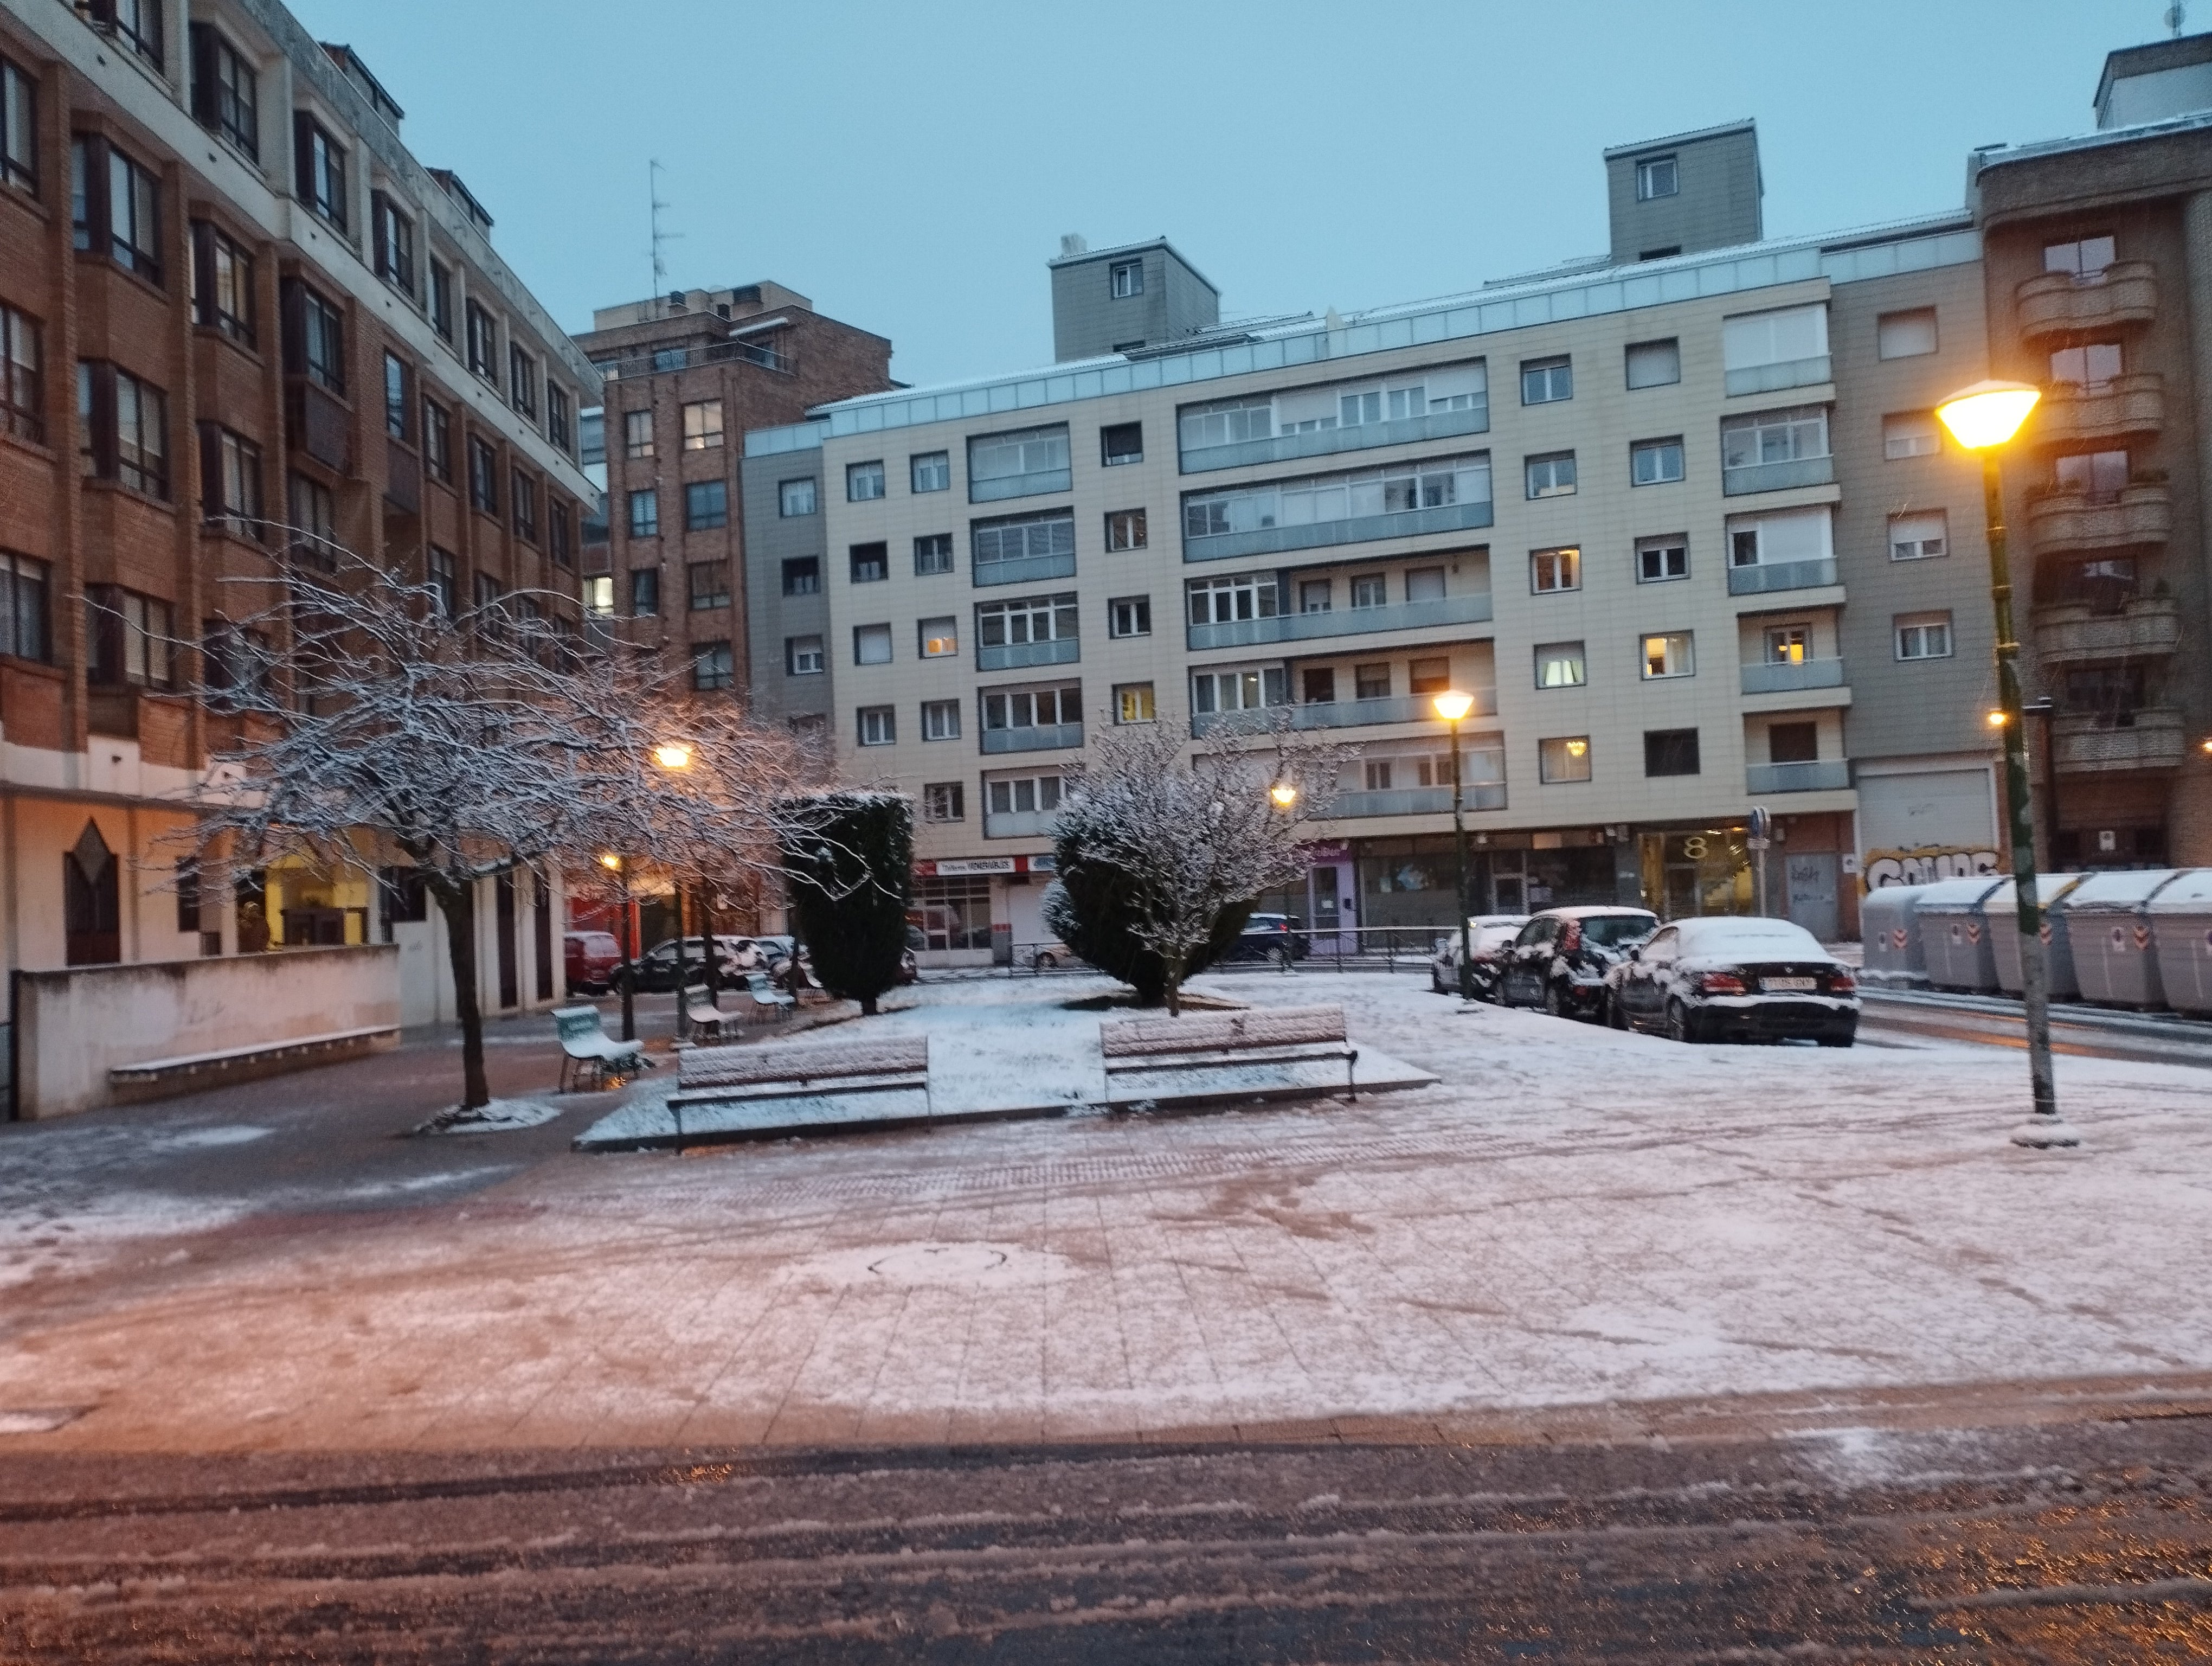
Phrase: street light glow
(1988, 413)
(1997, 719)
(1284, 794)
(672, 754)
(611, 862)
(1452, 705)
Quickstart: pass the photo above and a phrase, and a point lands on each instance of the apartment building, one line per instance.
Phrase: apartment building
(239, 322)
(1625, 505)
(2099, 283)
(685, 374)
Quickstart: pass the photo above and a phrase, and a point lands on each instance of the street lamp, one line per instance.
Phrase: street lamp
(1983, 418)
(615, 864)
(673, 756)
(1452, 705)
(1284, 794)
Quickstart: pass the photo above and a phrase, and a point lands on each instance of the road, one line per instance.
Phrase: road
(2077, 1541)
(1902, 1018)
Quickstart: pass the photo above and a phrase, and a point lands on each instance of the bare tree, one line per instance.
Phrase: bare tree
(1194, 837)
(379, 731)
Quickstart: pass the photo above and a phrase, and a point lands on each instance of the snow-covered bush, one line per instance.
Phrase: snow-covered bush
(848, 864)
(1093, 908)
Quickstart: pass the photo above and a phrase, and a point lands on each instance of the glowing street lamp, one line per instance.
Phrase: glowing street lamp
(1452, 705)
(1983, 418)
(672, 754)
(1284, 794)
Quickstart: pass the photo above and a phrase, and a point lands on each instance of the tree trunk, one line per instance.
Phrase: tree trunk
(867, 1006)
(460, 912)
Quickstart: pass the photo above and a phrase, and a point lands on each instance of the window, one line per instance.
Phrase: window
(1017, 463)
(394, 249)
(1919, 537)
(803, 656)
(2091, 366)
(943, 801)
(644, 513)
(437, 442)
(871, 562)
(235, 665)
(1670, 752)
(933, 555)
(1669, 655)
(1784, 536)
(1655, 462)
(313, 516)
(22, 407)
(1425, 584)
(864, 482)
(713, 667)
(482, 344)
(1317, 684)
(1654, 363)
(871, 645)
(930, 471)
(1785, 644)
(115, 207)
(1377, 775)
(1371, 590)
(1121, 443)
(1129, 615)
(1543, 381)
(1785, 348)
(1551, 474)
(1033, 619)
(1909, 433)
(556, 528)
(2112, 695)
(1657, 177)
(878, 725)
(1132, 703)
(558, 429)
(1793, 742)
(702, 425)
(1023, 795)
(483, 480)
(599, 596)
(319, 169)
(710, 584)
(940, 720)
(1400, 488)
(1124, 278)
(644, 592)
(1560, 665)
(445, 579)
(25, 631)
(1371, 681)
(1661, 559)
(397, 405)
(1225, 691)
(1225, 601)
(19, 128)
(1428, 676)
(2096, 474)
(1551, 570)
(939, 637)
(1774, 436)
(1125, 529)
(1564, 759)
(1314, 595)
(1923, 636)
(802, 576)
(521, 380)
(1905, 335)
(706, 505)
(637, 434)
(668, 358)
(230, 481)
(222, 284)
(794, 497)
(125, 423)
(2083, 259)
(1434, 390)
(129, 639)
(1047, 539)
(441, 299)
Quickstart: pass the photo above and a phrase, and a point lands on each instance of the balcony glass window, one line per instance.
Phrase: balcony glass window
(1564, 759)
(803, 656)
(1551, 474)
(1432, 390)
(932, 554)
(1019, 463)
(1654, 363)
(19, 128)
(1033, 709)
(1224, 601)
(2090, 367)
(1546, 381)
(1655, 462)
(1659, 560)
(1022, 537)
(1398, 488)
(795, 497)
(1671, 653)
(1911, 434)
(1774, 436)
(940, 637)
(1785, 536)
(702, 425)
(1125, 529)
(1129, 615)
(940, 720)
(864, 482)
(2084, 259)
(944, 800)
(1920, 536)
(1033, 619)
(1785, 644)
(802, 576)
(1764, 342)
(1243, 691)
(930, 471)
(871, 645)
(2097, 475)
(1132, 703)
(1551, 570)
(1022, 795)
(1561, 665)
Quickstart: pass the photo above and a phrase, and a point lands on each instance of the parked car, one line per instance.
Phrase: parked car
(1559, 959)
(1717, 978)
(593, 959)
(655, 969)
(1488, 936)
(909, 966)
(1270, 937)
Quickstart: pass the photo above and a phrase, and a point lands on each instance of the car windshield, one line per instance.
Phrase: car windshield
(1610, 931)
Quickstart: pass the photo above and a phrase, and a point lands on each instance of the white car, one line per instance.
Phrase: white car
(1487, 934)
(1722, 977)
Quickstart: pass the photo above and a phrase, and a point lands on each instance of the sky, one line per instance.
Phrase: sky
(910, 166)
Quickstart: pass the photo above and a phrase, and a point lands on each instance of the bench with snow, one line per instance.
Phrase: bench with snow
(587, 1050)
(1224, 1056)
(231, 1064)
(751, 1092)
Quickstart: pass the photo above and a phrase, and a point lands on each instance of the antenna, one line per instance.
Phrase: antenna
(654, 171)
(2177, 15)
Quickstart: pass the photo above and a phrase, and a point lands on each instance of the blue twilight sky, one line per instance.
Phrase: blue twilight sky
(910, 165)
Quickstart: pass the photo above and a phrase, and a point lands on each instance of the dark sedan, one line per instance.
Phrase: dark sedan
(1750, 979)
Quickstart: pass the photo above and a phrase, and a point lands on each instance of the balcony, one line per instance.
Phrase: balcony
(1013, 656)
(1040, 737)
(1319, 534)
(1827, 775)
(1019, 823)
(1778, 477)
(1025, 569)
(1472, 609)
(2054, 303)
(1019, 485)
(1762, 577)
(2142, 513)
(2093, 742)
(690, 358)
(1416, 801)
(1794, 677)
(1771, 377)
(1337, 714)
(1325, 442)
(2074, 414)
(2071, 632)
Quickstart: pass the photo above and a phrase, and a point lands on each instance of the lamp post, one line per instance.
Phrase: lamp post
(615, 866)
(674, 756)
(1983, 418)
(1452, 705)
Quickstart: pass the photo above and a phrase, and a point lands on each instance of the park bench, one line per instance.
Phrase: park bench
(704, 1019)
(234, 1063)
(1186, 1049)
(587, 1050)
(768, 1004)
(732, 1075)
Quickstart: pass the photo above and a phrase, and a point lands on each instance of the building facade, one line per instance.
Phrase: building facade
(242, 325)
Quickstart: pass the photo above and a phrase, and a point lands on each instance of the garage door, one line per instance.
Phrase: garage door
(1917, 827)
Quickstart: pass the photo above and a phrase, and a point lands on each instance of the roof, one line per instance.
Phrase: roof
(1998, 156)
(1120, 249)
(1747, 125)
(2150, 58)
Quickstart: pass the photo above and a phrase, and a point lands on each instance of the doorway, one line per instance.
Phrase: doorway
(542, 934)
(510, 991)
(1812, 880)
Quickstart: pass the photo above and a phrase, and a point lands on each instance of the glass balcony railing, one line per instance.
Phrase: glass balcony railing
(1320, 534)
(1472, 609)
(1778, 477)
(1760, 577)
(1789, 373)
(1040, 737)
(1339, 714)
(1791, 676)
(1018, 824)
(1025, 569)
(1012, 656)
(1418, 800)
(1817, 775)
(1328, 442)
(1019, 485)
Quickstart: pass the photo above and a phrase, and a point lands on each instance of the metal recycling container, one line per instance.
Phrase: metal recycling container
(2002, 910)
(2181, 935)
(2108, 921)
(1954, 937)
(1891, 944)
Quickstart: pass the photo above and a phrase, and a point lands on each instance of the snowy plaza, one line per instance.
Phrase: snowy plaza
(1571, 1217)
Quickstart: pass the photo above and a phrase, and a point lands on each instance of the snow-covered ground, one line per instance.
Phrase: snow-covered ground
(1571, 1216)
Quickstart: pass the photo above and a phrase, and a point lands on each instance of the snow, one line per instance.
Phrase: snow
(496, 1117)
(1749, 937)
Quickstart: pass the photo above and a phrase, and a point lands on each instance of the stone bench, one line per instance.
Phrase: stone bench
(238, 1063)
(1225, 1042)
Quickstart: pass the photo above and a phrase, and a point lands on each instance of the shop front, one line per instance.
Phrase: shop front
(979, 910)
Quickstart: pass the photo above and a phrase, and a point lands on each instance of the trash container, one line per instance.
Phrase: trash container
(2109, 924)
(1955, 937)
(1892, 940)
(2002, 910)
(2181, 935)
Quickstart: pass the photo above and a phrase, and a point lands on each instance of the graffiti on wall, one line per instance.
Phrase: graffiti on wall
(1925, 864)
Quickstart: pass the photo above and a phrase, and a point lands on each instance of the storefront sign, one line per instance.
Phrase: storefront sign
(1321, 855)
(968, 865)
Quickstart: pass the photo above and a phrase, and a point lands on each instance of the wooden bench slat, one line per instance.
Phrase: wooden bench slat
(1214, 1031)
(719, 1066)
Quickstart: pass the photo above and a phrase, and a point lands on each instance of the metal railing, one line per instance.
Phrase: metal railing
(1473, 608)
(1762, 577)
(1406, 950)
(664, 359)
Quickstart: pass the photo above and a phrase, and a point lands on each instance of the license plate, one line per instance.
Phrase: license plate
(1779, 985)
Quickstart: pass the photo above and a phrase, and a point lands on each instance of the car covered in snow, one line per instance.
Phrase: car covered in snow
(1489, 935)
(1722, 978)
(1560, 958)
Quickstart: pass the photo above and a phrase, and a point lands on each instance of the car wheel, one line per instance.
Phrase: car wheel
(1679, 1027)
(1836, 1038)
(1553, 1003)
(1616, 1015)
(1046, 963)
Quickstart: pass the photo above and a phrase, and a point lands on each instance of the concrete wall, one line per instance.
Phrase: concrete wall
(73, 1027)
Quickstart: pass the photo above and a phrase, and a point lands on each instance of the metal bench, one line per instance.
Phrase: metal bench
(586, 1048)
(768, 1004)
(1203, 1042)
(704, 1018)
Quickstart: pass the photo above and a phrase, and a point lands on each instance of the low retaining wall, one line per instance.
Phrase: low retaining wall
(72, 1027)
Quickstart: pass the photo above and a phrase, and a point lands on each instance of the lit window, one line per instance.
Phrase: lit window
(1565, 758)
(702, 425)
(940, 638)
(1560, 665)
(1132, 703)
(1554, 570)
(1669, 655)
